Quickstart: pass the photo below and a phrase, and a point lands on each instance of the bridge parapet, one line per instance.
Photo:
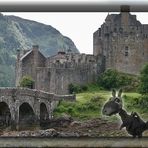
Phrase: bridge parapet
(13, 91)
(65, 97)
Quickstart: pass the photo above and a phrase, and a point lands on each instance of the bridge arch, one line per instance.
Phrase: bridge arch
(26, 114)
(5, 114)
(44, 114)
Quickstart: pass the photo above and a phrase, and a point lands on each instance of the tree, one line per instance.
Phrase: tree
(143, 87)
(27, 81)
(113, 79)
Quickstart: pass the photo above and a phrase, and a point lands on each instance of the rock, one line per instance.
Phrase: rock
(61, 121)
(24, 134)
(68, 134)
(86, 135)
(49, 133)
(75, 123)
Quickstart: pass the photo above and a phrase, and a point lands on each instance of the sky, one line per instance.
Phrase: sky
(77, 26)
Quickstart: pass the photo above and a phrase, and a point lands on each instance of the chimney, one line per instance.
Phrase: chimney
(35, 47)
(18, 54)
(125, 9)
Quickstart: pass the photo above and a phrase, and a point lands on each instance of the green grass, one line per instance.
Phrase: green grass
(89, 104)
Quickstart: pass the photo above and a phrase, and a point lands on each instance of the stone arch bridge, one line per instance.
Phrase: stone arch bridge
(21, 104)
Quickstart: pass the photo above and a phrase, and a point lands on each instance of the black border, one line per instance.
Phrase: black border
(82, 6)
(73, 6)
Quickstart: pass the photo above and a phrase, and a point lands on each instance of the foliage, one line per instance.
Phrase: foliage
(6, 76)
(89, 104)
(74, 88)
(114, 79)
(136, 103)
(82, 110)
(27, 81)
(143, 87)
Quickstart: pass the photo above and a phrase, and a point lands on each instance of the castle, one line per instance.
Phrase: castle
(54, 74)
(121, 43)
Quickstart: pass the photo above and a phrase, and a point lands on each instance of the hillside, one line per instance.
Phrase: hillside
(17, 33)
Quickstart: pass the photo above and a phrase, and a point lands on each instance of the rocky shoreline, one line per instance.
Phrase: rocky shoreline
(71, 128)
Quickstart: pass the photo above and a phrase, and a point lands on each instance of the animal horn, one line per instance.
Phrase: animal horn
(120, 93)
(114, 93)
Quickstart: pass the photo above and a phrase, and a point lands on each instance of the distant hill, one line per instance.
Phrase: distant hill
(17, 33)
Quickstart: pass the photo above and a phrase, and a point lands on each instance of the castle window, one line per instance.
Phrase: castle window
(126, 51)
(115, 29)
(121, 30)
(106, 28)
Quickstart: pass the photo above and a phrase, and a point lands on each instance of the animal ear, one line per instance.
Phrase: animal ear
(114, 93)
(120, 93)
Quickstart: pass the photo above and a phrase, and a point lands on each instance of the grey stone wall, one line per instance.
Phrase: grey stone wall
(57, 79)
(27, 63)
(15, 97)
(122, 39)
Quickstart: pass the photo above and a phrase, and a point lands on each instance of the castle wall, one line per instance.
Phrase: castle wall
(28, 62)
(70, 59)
(97, 43)
(57, 80)
(123, 42)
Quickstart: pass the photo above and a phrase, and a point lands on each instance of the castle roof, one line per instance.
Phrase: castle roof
(25, 55)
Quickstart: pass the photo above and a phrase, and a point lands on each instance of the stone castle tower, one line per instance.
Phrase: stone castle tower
(123, 41)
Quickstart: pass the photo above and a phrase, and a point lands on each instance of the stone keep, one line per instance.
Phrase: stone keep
(123, 41)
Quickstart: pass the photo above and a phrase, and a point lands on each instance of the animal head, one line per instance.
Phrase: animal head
(114, 104)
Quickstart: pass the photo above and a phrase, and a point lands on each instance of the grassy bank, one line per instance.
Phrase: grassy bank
(89, 104)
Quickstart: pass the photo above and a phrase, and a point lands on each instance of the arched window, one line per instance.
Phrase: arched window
(126, 51)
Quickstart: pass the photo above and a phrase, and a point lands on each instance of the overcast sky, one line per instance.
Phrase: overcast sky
(77, 26)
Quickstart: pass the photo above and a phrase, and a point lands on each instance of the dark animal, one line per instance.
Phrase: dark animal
(135, 126)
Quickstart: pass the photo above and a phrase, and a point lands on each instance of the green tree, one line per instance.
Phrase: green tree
(27, 81)
(113, 79)
(143, 87)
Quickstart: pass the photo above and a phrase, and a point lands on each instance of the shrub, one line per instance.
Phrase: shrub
(73, 88)
(27, 81)
(114, 79)
(71, 111)
(143, 87)
(60, 109)
(144, 101)
(84, 88)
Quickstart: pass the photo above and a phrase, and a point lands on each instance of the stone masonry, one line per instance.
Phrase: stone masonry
(21, 105)
(54, 74)
(123, 41)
